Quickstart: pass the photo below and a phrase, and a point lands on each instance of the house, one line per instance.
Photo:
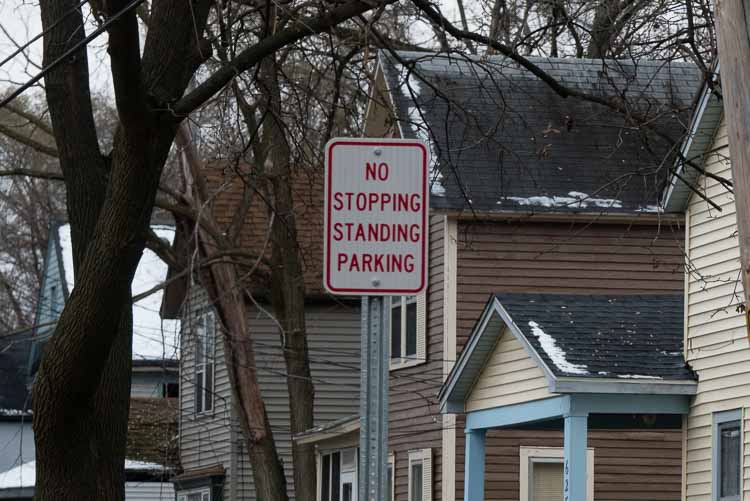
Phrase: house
(152, 426)
(544, 211)
(716, 332)
(213, 451)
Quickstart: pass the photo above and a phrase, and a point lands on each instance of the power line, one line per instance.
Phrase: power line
(40, 35)
(54, 64)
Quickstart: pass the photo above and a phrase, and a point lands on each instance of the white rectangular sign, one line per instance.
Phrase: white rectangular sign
(376, 209)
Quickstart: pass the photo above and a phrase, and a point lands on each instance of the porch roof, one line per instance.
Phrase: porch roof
(583, 343)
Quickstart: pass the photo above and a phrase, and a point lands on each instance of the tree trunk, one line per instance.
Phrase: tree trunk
(81, 394)
(733, 32)
(227, 295)
(288, 285)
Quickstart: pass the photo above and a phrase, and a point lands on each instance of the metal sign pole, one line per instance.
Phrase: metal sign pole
(373, 415)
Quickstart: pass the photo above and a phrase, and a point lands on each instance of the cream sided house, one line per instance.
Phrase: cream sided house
(715, 434)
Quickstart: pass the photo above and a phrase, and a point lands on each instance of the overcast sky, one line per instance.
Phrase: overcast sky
(20, 21)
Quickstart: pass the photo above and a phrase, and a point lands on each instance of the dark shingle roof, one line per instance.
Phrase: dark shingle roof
(506, 142)
(14, 359)
(629, 337)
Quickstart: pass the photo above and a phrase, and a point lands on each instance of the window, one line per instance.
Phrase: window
(196, 495)
(53, 302)
(541, 476)
(204, 363)
(407, 324)
(420, 475)
(337, 472)
(727, 455)
(170, 390)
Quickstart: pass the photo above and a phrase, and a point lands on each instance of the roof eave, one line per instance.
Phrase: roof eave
(676, 200)
(556, 217)
(623, 386)
(450, 401)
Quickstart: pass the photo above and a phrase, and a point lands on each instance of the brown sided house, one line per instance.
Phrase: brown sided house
(533, 193)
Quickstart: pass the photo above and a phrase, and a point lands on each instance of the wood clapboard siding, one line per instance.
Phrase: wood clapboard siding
(415, 420)
(558, 257)
(509, 377)
(571, 258)
(333, 339)
(641, 465)
(717, 345)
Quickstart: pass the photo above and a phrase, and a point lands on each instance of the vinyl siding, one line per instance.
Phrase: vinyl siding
(717, 345)
(415, 420)
(571, 258)
(333, 340)
(510, 376)
(149, 491)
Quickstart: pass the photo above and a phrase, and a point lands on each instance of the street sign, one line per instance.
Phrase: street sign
(376, 209)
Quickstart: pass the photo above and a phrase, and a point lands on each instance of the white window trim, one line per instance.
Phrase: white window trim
(720, 418)
(319, 469)
(182, 495)
(392, 464)
(531, 455)
(423, 456)
(210, 326)
(420, 357)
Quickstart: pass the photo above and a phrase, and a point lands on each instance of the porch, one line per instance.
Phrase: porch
(569, 363)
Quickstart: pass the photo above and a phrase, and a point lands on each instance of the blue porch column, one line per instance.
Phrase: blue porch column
(574, 488)
(474, 465)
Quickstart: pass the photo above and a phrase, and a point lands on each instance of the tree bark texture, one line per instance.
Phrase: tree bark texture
(81, 394)
(288, 285)
(733, 32)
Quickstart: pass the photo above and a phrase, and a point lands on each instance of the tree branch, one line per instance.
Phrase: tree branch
(25, 139)
(253, 55)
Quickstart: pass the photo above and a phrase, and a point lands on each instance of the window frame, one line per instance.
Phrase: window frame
(390, 471)
(423, 457)
(204, 394)
(722, 420)
(530, 455)
(182, 495)
(319, 456)
(417, 358)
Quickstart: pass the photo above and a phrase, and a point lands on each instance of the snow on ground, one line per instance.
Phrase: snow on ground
(554, 352)
(637, 376)
(153, 338)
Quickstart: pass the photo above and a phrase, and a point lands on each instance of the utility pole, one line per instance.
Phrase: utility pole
(733, 33)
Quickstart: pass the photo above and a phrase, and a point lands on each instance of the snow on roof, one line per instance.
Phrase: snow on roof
(575, 199)
(134, 464)
(554, 352)
(153, 338)
(24, 475)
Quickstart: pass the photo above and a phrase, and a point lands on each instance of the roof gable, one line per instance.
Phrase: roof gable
(704, 122)
(154, 338)
(581, 343)
(503, 141)
(509, 376)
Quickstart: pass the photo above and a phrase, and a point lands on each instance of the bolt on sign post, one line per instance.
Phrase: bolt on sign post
(376, 208)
